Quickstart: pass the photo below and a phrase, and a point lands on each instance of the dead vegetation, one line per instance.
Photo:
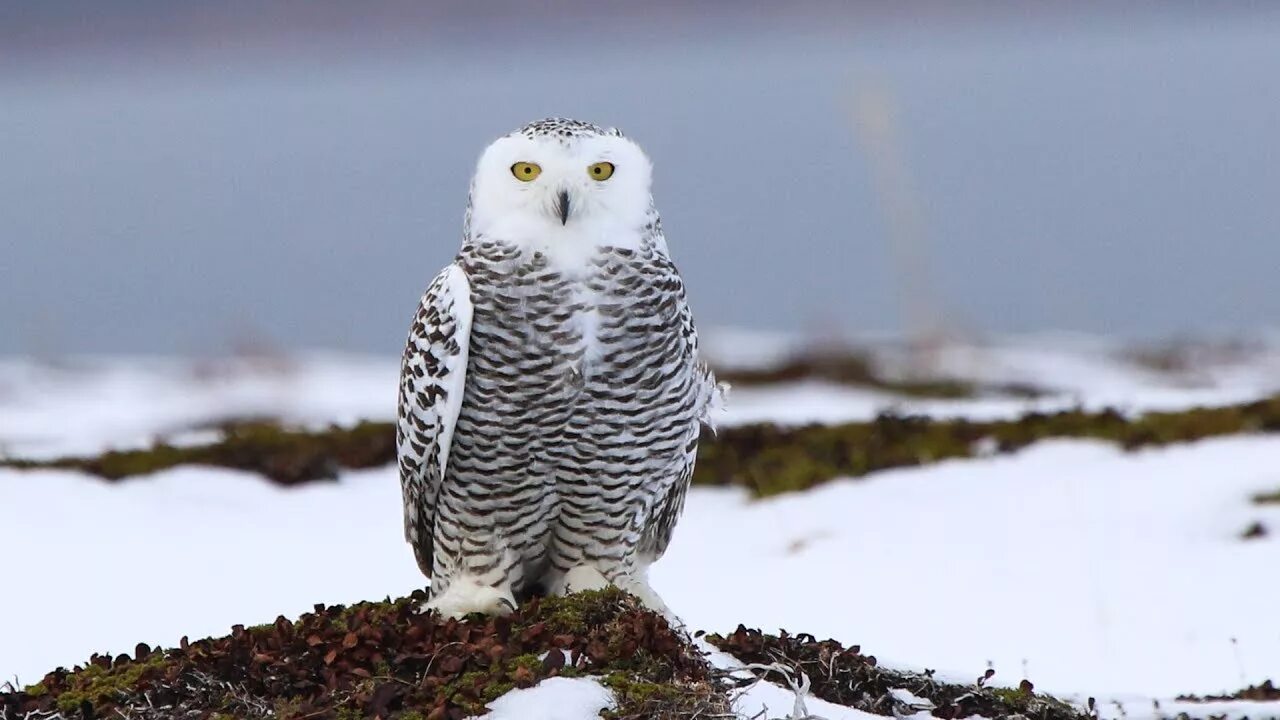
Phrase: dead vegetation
(769, 459)
(1254, 531)
(765, 458)
(287, 456)
(1268, 498)
(859, 369)
(846, 676)
(1263, 692)
(386, 660)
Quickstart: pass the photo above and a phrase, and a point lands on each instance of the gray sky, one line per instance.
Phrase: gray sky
(1120, 175)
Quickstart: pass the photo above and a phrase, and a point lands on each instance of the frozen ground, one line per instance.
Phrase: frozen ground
(1089, 570)
(555, 698)
(86, 405)
(582, 699)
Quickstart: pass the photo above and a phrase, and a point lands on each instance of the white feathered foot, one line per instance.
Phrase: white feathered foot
(466, 595)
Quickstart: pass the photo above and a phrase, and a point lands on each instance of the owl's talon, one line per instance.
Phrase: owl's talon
(465, 596)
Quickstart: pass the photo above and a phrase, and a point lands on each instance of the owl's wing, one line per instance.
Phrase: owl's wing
(433, 376)
(705, 396)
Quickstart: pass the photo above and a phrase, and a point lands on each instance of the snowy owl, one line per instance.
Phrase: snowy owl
(551, 391)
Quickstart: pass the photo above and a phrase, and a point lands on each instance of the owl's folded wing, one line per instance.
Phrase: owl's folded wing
(432, 379)
(706, 397)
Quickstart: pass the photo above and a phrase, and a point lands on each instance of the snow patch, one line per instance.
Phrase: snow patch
(555, 698)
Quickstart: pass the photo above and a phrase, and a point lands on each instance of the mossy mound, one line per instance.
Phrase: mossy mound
(1266, 691)
(1270, 498)
(386, 660)
(287, 456)
(765, 458)
(769, 459)
(847, 677)
(859, 369)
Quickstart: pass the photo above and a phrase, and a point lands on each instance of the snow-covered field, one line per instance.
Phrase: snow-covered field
(1089, 570)
(85, 405)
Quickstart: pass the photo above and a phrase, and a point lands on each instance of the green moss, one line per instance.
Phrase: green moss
(636, 697)
(96, 684)
(286, 708)
(490, 683)
(765, 458)
(771, 460)
(345, 662)
(1012, 697)
(117, 464)
(495, 690)
(36, 690)
(349, 713)
(858, 368)
(1271, 498)
(576, 612)
(287, 456)
(628, 689)
(1027, 702)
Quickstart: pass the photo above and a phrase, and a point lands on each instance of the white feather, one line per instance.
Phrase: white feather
(458, 292)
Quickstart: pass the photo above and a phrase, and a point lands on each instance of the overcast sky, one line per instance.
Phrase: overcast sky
(1120, 175)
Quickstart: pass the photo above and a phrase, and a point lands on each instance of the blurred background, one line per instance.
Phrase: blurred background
(188, 178)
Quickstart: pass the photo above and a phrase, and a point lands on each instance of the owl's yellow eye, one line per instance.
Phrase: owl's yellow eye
(601, 171)
(525, 172)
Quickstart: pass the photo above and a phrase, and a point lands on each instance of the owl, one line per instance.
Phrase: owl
(551, 391)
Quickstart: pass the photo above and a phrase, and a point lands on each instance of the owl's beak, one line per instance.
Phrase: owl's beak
(562, 206)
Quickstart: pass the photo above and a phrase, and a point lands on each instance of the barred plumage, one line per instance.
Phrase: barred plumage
(551, 393)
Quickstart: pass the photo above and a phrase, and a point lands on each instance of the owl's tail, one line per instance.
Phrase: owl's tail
(715, 396)
(417, 532)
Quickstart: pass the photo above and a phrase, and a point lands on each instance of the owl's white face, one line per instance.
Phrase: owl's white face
(554, 192)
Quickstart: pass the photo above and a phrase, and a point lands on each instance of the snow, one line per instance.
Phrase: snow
(1087, 569)
(553, 699)
(92, 566)
(90, 404)
(1076, 370)
(1090, 570)
(778, 702)
(767, 699)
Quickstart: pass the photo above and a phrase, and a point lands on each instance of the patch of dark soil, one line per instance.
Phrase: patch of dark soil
(1255, 531)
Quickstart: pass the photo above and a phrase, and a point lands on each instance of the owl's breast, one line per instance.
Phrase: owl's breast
(559, 329)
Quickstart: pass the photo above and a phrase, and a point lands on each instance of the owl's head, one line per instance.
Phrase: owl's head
(560, 179)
